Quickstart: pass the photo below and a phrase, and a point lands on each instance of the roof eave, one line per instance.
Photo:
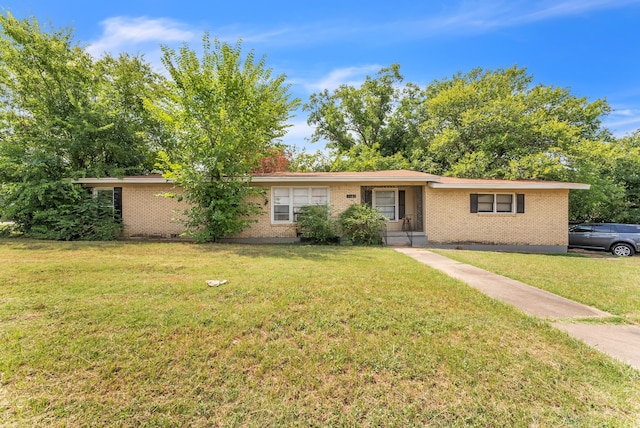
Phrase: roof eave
(115, 180)
(334, 179)
(260, 179)
(432, 182)
(512, 186)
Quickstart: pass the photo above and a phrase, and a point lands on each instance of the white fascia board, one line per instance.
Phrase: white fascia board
(511, 186)
(378, 179)
(370, 179)
(114, 180)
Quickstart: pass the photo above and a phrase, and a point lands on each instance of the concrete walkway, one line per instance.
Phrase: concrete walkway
(619, 341)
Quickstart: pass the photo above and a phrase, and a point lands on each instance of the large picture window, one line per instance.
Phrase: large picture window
(286, 202)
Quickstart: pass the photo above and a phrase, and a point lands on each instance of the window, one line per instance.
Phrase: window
(104, 196)
(495, 203)
(602, 228)
(485, 203)
(287, 201)
(581, 228)
(281, 204)
(627, 228)
(505, 203)
(110, 197)
(386, 202)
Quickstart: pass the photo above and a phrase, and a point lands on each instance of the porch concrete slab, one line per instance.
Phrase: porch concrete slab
(619, 341)
(528, 299)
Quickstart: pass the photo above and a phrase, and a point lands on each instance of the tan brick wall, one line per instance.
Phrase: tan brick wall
(448, 219)
(264, 228)
(145, 212)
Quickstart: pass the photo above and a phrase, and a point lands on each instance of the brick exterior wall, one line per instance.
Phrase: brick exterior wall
(264, 228)
(448, 219)
(146, 213)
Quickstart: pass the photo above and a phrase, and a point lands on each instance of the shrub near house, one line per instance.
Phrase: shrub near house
(362, 224)
(316, 225)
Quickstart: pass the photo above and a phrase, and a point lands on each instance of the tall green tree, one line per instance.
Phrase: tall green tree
(615, 168)
(626, 172)
(64, 114)
(480, 124)
(227, 111)
(350, 116)
(498, 124)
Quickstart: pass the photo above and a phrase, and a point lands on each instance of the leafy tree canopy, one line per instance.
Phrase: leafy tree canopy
(362, 116)
(226, 111)
(64, 114)
(496, 124)
(480, 124)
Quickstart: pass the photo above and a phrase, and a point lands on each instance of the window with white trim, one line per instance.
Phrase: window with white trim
(104, 196)
(500, 203)
(286, 202)
(386, 202)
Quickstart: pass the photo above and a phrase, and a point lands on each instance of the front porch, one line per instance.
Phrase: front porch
(404, 208)
(402, 205)
(405, 239)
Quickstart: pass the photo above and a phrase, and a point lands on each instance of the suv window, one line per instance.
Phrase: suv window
(582, 228)
(627, 228)
(602, 228)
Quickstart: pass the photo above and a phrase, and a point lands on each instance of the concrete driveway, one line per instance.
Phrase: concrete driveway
(619, 341)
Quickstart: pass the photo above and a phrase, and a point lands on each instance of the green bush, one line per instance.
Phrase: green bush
(362, 225)
(58, 210)
(315, 224)
(86, 221)
(5, 230)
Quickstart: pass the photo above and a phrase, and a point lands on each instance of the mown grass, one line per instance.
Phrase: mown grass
(611, 284)
(128, 334)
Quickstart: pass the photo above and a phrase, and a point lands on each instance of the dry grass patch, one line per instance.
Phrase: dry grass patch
(128, 334)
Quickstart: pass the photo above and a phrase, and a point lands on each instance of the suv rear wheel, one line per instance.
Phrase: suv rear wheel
(621, 249)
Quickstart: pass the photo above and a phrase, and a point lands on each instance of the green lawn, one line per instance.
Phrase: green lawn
(129, 334)
(599, 279)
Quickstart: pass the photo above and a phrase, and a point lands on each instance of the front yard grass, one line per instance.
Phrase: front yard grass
(609, 283)
(129, 334)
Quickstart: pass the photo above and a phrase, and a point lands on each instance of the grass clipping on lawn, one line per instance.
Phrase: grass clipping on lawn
(129, 334)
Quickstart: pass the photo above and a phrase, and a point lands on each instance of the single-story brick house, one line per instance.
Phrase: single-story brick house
(423, 208)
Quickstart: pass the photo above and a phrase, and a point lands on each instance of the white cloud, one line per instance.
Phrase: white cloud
(354, 76)
(472, 17)
(463, 18)
(298, 134)
(123, 34)
(468, 17)
(553, 9)
(623, 121)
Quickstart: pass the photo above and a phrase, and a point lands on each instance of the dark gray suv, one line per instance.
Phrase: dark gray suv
(620, 239)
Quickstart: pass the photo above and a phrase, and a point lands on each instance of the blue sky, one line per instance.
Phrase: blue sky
(591, 47)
